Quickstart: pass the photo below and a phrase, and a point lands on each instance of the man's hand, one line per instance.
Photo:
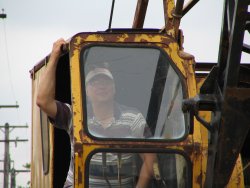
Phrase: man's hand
(57, 49)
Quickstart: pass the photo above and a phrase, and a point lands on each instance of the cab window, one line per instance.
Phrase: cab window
(45, 141)
(118, 169)
(132, 92)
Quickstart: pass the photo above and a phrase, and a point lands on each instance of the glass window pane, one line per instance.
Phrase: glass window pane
(156, 170)
(132, 92)
(170, 123)
(45, 141)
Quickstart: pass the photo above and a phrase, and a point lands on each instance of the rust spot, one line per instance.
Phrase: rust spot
(185, 55)
(199, 179)
(81, 134)
(191, 148)
(78, 148)
(79, 175)
(120, 37)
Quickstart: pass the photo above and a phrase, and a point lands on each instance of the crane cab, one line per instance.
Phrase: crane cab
(152, 75)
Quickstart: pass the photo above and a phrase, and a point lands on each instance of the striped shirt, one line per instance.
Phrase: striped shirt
(63, 120)
(127, 123)
(115, 169)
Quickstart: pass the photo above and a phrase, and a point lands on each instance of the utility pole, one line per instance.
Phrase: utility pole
(13, 176)
(6, 150)
(13, 173)
(6, 157)
(6, 140)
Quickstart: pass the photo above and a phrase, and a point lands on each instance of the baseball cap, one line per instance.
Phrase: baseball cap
(98, 71)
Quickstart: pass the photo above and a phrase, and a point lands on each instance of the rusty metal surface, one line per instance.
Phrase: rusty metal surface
(140, 13)
(235, 18)
(169, 6)
(122, 37)
(234, 127)
(234, 120)
(188, 6)
(85, 144)
(85, 39)
(191, 151)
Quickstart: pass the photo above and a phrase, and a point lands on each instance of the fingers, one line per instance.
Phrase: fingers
(57, 46)
(60, 41)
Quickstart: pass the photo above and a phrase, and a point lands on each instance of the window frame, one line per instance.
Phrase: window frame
(149, 45)
(138, 151)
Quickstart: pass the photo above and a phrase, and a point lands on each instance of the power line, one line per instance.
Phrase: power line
(3, 16)
(7, 58)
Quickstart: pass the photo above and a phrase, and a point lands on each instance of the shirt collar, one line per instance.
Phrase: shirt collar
(117, 111)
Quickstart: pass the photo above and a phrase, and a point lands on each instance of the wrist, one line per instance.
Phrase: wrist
(53, 60)
(54, 57)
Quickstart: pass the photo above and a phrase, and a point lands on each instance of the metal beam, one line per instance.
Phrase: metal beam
(246, 48)
(17, 171)
(13, 140)
(235, 44)
(224, 44)
(9, 106)
(234, 127)
(228, 138)
(15, 126)
(111, 13)
(140, 14)
(188, 6)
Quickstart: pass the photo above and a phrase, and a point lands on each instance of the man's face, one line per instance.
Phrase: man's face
(100, 89)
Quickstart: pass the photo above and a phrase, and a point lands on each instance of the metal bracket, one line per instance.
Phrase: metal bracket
(202, 102)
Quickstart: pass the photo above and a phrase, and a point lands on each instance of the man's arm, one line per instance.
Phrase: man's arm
(146, 172)
(46, 91)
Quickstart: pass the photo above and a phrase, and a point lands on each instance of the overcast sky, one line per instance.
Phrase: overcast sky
(31, 27)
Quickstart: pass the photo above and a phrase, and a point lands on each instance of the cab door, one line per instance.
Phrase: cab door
(150, 78)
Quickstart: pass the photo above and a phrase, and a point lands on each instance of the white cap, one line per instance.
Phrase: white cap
(98, 71)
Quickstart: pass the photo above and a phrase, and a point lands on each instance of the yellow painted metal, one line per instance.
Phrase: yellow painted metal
(197, 157)
(172, 51)
(203, 136)
(76, 95)
(184, 62)
(169, 6)
(179, 58)
(237, 178)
